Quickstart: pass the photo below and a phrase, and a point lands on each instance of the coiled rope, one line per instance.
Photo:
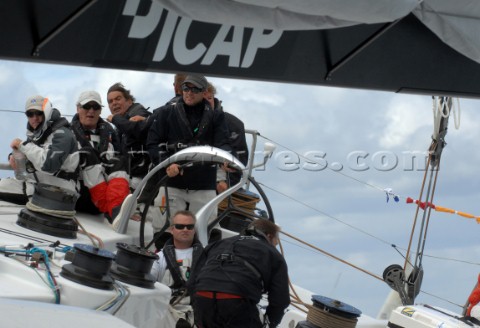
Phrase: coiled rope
(325, 319)
(239, 200)
(57, 213)
(442, 109)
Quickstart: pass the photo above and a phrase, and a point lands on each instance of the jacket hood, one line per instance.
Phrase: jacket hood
(51, 115)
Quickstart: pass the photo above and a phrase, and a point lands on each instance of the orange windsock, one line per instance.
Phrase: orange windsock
(444, 209)
(466, 215)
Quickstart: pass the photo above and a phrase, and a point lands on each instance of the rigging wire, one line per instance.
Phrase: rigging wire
(325, 214)
(316, 162)
(28, 237)
(345, 175)
(299, 304)
(23, 112)
(439, 109)
(387, 191)
(306, 246)
(361, 230)
(444, 107)
(423, 233)
(295, 298)
(12, 111)
(417, 210)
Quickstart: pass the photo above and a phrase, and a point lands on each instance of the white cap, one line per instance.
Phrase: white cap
(87, 96)
(35, 102)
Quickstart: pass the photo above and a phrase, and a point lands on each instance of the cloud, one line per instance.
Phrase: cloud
(403, 118)
(346, 212)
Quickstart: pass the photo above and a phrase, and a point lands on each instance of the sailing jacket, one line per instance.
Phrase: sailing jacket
(133, 139)
(236, 133)
(52, 150)
(245, 265)
(177, 126)
(102, 166)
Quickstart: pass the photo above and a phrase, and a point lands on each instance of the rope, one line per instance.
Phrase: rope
(91, 236)
(297, 303)
(323, 318)
(96, 241)
(332, 256)
(239, 200)
(294, 298)
(421, 243)
(57, 213)
(363, 231)
(293, 303)
(440, 109)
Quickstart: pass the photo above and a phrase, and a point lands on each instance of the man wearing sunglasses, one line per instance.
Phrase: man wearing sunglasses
(102, 167)
(189, 121)
(50, 150)
(177, 259)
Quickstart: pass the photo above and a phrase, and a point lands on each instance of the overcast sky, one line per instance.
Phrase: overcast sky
(341, 209)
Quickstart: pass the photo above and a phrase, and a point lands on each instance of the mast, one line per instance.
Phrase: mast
(394, 275)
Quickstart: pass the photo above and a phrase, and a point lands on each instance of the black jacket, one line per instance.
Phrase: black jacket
(247, 266)
(133, 139)
(236, 133)
(177, 123)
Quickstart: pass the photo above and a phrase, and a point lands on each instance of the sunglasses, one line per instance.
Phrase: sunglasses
(90, 106)
(34, 113)
(195, 90)
(183, 226)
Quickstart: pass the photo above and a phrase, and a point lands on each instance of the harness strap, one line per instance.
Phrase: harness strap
(179, 146)
(103, 132)
(68, 175)
(172, 265)
(231, 256)
(50, 129)
(217, 295)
